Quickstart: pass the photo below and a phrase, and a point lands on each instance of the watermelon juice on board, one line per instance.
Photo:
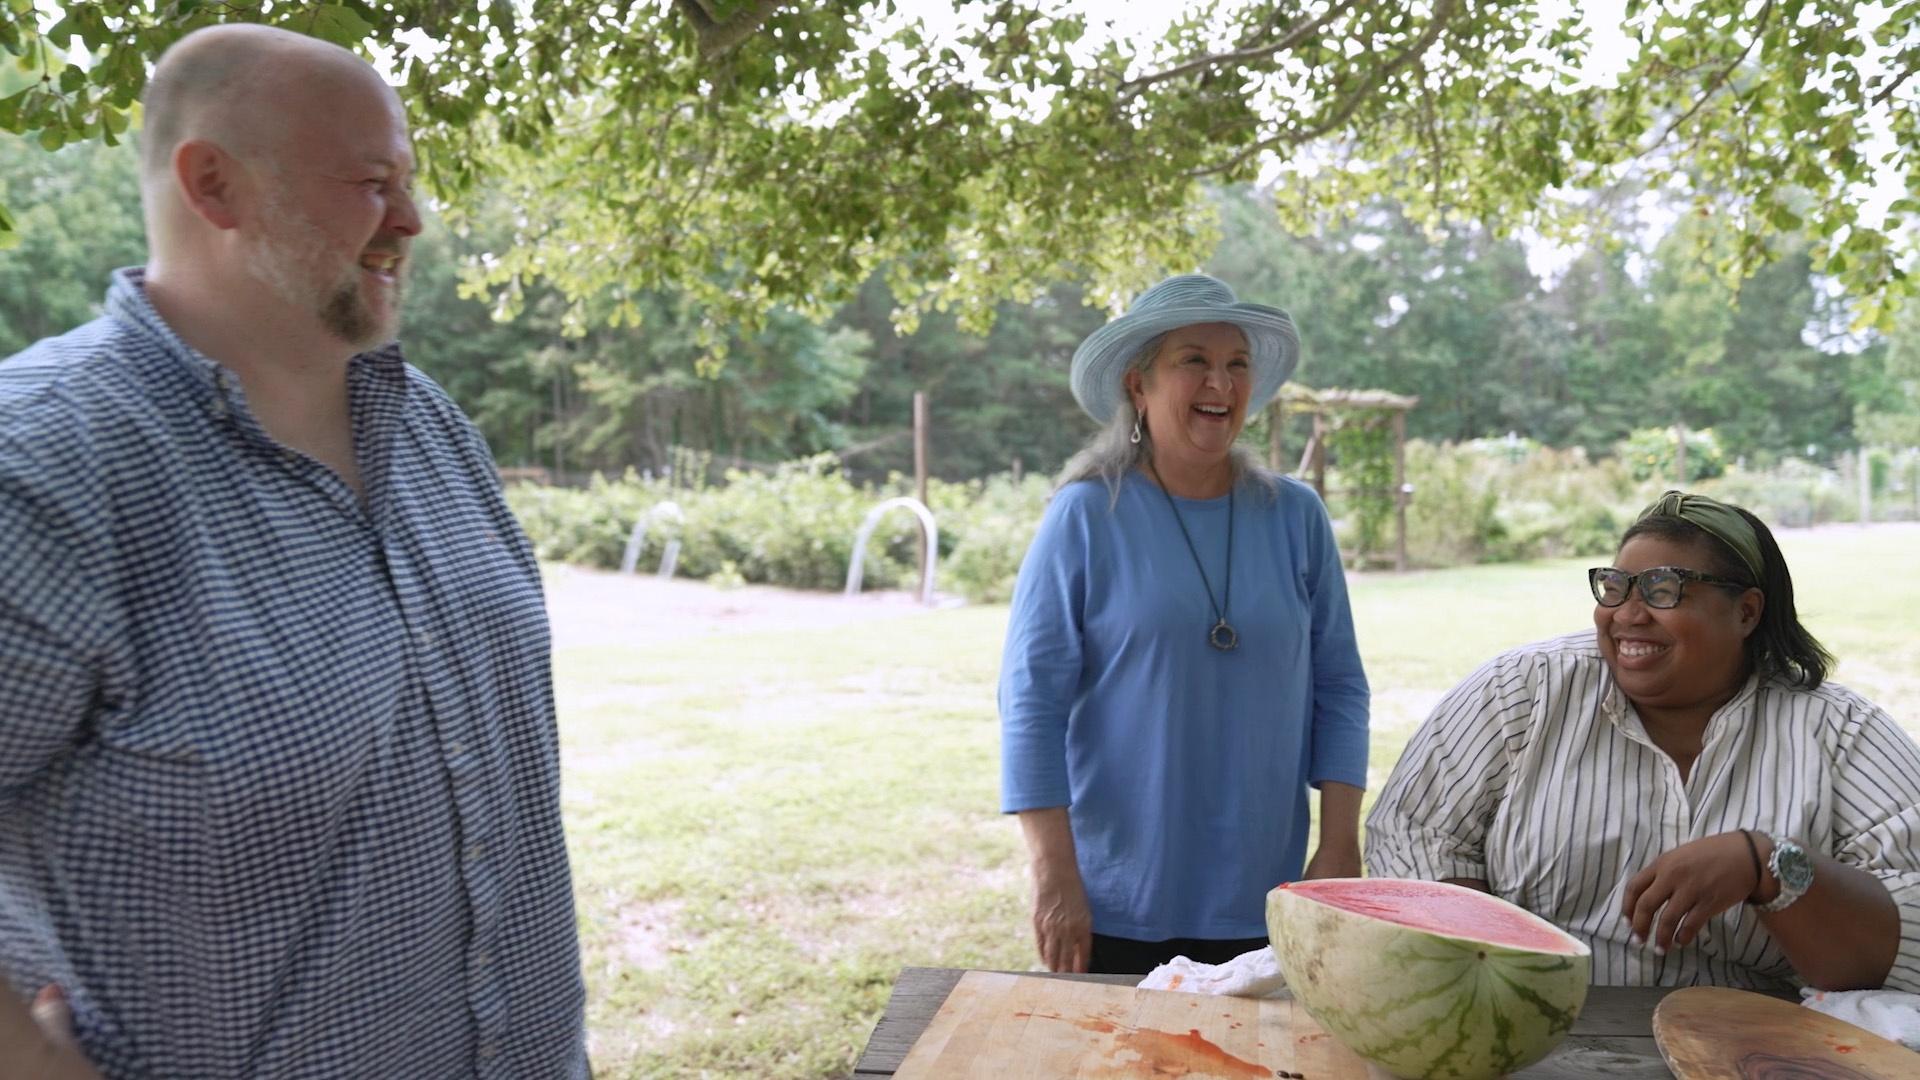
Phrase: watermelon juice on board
(1427, 979)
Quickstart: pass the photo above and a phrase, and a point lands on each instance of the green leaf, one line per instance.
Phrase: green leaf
(341, 25)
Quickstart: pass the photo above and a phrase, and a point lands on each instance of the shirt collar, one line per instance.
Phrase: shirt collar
(1618, 710)
(127, 301)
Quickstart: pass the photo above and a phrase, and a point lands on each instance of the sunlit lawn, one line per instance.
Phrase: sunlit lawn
(767, 827)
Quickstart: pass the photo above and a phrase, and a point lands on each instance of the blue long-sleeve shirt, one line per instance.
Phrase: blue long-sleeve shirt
(1184, 768)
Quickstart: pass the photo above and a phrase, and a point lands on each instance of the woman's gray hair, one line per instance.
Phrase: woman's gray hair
(1110, 455)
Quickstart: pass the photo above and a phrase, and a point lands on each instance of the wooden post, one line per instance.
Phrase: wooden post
(920, 464)
(1016, 469)
(1866, 487)
(1680, 453)
(1276, 425)
(1320, 456)
(1400, 490)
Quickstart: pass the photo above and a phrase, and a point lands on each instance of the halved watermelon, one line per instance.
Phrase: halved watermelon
(1427, 979)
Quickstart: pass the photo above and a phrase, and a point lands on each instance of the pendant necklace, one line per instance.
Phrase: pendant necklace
(1223, 636)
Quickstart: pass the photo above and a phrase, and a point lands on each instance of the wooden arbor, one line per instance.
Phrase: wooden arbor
(1362, 419)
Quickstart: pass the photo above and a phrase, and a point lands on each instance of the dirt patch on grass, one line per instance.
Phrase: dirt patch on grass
(649, 935)
(596, 607)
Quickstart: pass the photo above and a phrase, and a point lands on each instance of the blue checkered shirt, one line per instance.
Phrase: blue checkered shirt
(279, 785)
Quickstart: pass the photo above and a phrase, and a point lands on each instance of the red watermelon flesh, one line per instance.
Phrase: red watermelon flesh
(1440, 909)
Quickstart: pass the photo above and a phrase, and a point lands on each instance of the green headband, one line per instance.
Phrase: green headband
(1715, 517)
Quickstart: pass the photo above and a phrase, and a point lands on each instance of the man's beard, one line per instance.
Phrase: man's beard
(290, 259)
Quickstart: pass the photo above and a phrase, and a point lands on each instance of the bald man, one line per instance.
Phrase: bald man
(278, 768)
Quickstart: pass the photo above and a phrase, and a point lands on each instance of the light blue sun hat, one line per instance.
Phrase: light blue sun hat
(1176, 302)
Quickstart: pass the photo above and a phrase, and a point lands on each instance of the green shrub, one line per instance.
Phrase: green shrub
(992, 534)
(793, 526)
(1792, 493)
(589, 526)
(1649, 454)
(1488, 500)
(1452, 512)
(1497, 500)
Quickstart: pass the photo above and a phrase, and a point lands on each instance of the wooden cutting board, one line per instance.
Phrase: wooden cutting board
(999, 1027)
(1713, 1033)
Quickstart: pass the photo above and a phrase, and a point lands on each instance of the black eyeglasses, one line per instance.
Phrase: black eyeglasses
(1660, 586)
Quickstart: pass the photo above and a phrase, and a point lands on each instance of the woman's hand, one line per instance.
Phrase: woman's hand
(1670, 901)
(1062, 922)
(1062, 925)
(1338, 854)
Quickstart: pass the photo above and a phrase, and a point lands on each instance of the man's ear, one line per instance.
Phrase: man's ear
(208, 178)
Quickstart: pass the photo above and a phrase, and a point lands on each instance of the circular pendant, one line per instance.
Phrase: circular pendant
(1223, 637)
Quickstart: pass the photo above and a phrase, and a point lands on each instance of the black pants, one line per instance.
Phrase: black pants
(1124, 956)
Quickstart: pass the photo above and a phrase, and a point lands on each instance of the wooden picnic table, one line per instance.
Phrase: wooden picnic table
(1613, 1038)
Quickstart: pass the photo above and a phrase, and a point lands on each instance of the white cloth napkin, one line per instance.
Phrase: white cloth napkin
(1254, 974)
(1889, 1014)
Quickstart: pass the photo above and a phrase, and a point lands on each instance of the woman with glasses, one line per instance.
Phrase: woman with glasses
(1681, 786)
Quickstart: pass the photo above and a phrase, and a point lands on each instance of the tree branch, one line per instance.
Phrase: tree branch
(720, 38)
(1443, 12)
(1719, 79)
(1132, 87)
(697, 13)
(1885, 95)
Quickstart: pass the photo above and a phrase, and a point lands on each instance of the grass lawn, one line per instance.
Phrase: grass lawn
(767, 825)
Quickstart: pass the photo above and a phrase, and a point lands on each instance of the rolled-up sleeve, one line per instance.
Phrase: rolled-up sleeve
(1041, 663)
(1876, 818)
(1432, 817)
(1341, 700)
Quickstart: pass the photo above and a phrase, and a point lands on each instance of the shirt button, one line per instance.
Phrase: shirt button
(474, 851)
(486, 1051)
(482, 958)
(426, 637)
(456, 748)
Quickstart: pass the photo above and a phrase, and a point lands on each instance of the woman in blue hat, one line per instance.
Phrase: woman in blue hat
(1180, 662)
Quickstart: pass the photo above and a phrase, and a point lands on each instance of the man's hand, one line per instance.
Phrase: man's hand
(37, 1043)
(1670, 901)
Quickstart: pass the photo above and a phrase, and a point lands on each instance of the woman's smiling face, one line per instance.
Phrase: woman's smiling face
(1194, 397)
(1692, 655)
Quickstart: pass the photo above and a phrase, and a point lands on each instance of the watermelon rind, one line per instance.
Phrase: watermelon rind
(1421, 1004)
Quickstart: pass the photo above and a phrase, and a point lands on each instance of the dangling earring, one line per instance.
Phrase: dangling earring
(1136, 432)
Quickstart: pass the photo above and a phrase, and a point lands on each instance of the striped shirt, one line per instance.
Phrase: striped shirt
(1537, 776)
(278, 767)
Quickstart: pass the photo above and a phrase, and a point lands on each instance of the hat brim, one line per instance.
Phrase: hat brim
(1101, 360)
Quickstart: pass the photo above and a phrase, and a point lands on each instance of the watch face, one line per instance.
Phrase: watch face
(1793, 867)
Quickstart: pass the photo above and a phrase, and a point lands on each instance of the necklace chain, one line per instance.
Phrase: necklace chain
(1223, 636)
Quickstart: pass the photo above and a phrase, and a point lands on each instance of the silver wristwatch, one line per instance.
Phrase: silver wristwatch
(1792, 867)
